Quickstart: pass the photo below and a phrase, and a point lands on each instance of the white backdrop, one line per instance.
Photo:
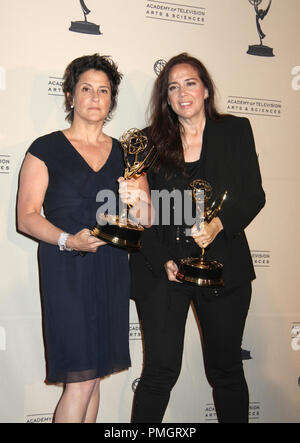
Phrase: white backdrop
(36, 47)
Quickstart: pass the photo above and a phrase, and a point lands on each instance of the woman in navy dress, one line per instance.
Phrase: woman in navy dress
(85, 297)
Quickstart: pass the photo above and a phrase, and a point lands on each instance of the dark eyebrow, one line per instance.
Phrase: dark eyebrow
(186, 80)
(89, 84)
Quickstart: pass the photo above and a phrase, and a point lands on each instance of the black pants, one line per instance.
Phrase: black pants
(222, 320)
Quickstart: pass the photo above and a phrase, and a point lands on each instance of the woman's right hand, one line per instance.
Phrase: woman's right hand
(171, 270)
(84, 241)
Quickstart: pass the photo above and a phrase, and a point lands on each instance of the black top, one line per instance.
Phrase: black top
(177, 217)
(230, 163)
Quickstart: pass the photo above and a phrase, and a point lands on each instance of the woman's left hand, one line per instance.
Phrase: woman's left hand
(129, 191)
(207, 233)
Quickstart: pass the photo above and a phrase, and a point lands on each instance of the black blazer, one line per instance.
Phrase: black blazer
(231, 164)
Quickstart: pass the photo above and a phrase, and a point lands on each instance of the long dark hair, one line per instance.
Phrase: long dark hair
(82, 64)
(165, 128)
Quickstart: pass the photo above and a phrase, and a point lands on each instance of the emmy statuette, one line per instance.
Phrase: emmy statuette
(197, 270)
(260, 50)
(119, 230)
(85, 27)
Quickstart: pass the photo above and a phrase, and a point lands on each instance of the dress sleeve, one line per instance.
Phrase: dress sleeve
(252, 197)
(37, 148)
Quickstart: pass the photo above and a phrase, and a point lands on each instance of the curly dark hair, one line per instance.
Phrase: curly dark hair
(82, 64)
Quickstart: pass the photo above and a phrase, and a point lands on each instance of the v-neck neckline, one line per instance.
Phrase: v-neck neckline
(83, 159)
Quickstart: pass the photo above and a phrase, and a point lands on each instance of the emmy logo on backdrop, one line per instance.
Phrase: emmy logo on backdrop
(261, 50)
(85, 27)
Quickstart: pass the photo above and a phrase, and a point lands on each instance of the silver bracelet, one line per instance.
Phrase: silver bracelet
(62, 240)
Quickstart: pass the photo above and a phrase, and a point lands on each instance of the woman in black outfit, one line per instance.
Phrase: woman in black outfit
(195, 141)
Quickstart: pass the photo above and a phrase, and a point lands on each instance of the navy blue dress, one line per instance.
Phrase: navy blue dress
(85, 299)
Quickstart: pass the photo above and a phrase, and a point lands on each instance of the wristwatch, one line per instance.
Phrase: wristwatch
(62, 240)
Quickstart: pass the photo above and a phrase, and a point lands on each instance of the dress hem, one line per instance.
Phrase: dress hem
(107, 374)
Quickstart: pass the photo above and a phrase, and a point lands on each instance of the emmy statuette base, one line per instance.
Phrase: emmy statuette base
(85, 28)
(124, 235)
(204, 283)
(197, 271)
(260, 50)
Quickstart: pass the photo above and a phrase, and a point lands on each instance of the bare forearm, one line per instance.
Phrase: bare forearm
(39, 227)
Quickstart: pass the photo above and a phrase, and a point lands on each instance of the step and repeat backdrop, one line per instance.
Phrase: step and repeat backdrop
(251, 48)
